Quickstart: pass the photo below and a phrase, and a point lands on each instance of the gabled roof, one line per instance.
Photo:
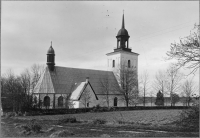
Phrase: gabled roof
(45, 84)
(64, 78)
(78, 90)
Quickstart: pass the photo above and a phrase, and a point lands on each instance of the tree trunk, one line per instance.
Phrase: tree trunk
(126, 103)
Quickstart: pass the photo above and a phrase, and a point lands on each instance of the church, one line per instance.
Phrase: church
(65, 87)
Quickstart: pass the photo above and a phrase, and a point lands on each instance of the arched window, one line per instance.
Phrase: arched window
(46, 101)
(60, 101)
(129, 63)
(115, 101)
(113, 63)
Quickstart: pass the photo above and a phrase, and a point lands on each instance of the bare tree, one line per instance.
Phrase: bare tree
(19, 89)
(160, 82)
(36, 71)
(106, 88)
(68, 102)
(144, 82)
(128, 81)
(25, 81)
(173, 80)
(151, 93)
(175, 98)
(187, 50)
(85, 98)
(13, 90)
(188, 89)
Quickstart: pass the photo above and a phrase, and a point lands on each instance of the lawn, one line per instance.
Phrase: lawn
(158, 117)
(143, 123)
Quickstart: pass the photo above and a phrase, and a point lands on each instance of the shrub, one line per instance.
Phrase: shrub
(9, 114)
(32, 126)
(111, 109)
(99, 121)
(121, 122)
(96, 108)
(189, 119)
(67, 120)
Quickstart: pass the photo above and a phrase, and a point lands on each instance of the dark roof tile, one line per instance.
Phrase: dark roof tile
(63, 79)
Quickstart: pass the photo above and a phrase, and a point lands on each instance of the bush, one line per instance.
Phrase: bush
(67, 120)
(96, 108)
(32, 126)
(99, 121)
(121, 122)
(189, 119)
(9, 114)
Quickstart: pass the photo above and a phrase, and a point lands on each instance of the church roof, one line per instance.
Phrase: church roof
(122, 31)
(50, 50)
(79, 89)
(62, 80)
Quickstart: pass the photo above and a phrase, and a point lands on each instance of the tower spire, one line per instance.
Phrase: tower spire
(51, 58)
(123, 25)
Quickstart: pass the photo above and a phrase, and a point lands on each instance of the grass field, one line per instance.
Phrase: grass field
(143, 123)
(158, 117)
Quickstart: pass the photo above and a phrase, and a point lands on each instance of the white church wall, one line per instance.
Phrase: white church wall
(51, 99)
(117, 58)
(92, 101)
(76, 104)
(103, 101)
(122, 58)
(129, 56)
(56, 100)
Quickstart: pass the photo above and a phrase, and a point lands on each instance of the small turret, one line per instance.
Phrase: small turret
(51, 58)
(122, 38)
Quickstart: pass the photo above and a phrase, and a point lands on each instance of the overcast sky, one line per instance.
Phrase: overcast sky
(83, 32)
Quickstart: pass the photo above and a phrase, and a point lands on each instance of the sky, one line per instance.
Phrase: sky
(83, 32)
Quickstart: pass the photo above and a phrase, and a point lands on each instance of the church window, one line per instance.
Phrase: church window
(113, 63)
(87, 104)
(46, 101)
(60, 101)
(115, 101)
(47, 58)
(129, 63)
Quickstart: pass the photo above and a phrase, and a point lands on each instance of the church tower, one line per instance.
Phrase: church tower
(122, 55)
(51, 58)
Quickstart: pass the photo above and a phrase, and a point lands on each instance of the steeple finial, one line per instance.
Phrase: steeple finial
(123, 26)
(51, 43)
